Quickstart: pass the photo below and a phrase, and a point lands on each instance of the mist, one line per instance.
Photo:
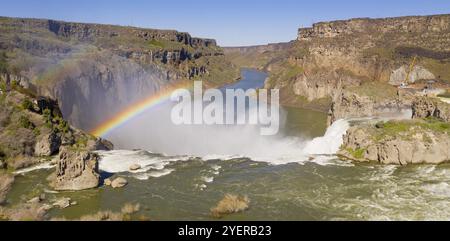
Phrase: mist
(154, 131)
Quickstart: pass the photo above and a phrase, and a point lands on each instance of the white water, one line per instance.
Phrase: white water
(229, 142)
(274, 150)
(45, 165)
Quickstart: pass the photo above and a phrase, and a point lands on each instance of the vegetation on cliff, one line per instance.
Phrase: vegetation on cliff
(33, 131)
(360, 56)
(398, 142)
(38, 44)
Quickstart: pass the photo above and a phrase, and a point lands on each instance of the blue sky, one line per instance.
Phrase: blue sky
(231, 22)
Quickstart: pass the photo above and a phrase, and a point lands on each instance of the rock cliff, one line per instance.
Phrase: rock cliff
(33, 131)
(331, 61)
(95, 70)
(398, 142)
(430, 107)
(400, 25)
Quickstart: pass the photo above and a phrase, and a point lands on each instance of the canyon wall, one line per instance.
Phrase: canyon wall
(357, 64)
(95, 70)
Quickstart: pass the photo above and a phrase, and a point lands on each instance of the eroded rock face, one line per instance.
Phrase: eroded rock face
(6, 182)
(399, 75)
(99, 144)
(47, 145)
(318, 86)
(351, 105)
(429, 107)
(416, 24)
(363, 143)
(76, 170)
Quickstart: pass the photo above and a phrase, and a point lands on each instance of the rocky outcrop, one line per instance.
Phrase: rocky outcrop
(321, 84)
(424, 107)
(99, 144)
(90, 32)
(399, 75)
(119, 182)
(33, 130)
(47, 144)
(357, 56)
(398, 142)
(406, 25)
(94, 75)
(6, 182)
(351, 105)
(76, 170)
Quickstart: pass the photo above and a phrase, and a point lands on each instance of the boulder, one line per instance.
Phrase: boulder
(47, 144)
(119, 182)
(76, 170)
(37, 199)
(107, 182)
(135, 167)
(63, 203)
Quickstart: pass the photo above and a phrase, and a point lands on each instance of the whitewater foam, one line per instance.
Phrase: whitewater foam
(45, 165)
(272, 150)
(152, 165)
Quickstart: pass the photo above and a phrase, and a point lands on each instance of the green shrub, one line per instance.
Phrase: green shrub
(27, 104)
(357, 153)
(63, 126)
(3, 87)
(36, 131)
(24, 122)
(156, 43)
(47, 116)
(14, 84)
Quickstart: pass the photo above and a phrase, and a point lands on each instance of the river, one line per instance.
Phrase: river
(283, 181)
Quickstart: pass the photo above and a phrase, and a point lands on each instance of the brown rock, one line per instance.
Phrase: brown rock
(6, 182)
(76, 170)
(429, 107)
(135, 167)
(107, 182)
(119, 182)
(47, 145)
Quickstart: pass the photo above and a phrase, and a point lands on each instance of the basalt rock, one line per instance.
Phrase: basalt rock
(396, 143)
(119, 182)
(399, 75)
(351, 105)
(6, 182)
(76, 170)
(424, 107)
(95, 74)
(406, 25)
(47, 144)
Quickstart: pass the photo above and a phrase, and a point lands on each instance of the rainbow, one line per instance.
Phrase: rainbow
(136, 109)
